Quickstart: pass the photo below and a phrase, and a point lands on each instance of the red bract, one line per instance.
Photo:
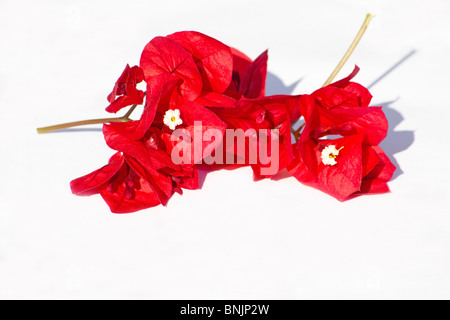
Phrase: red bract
(163, 60)
(136, 130)
(153, 152)
(196, 120)
(253, 83)
(262, 115)
(212, 57)
(342, 109)
(197, 87)
(124, 185)
(249, 78)
(344, 106)
(125, 93)
(360, 169)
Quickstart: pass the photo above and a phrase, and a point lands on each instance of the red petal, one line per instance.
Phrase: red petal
(373, 186)
(187, 178)
(370, 159)
(282, 108)
(126, 87)
(213, 58)
(340, 180)
(385, 168)
(253, 83)
(362, 93)
(241, 62)
(149, 157)
(375, 181)
(343, 179)
(306, 105)
(122, 79)
(125, 101)
(118, 202)
(331, 97)
(160, 184)
(87, 185)
(306, 144)
(371, 122)
(191, 113)
(346, 80)
(135, 130)
(213, 99)
(163, 58)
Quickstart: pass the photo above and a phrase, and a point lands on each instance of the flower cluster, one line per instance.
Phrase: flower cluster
(197, 91)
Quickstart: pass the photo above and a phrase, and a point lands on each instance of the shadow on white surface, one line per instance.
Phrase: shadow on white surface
(391, 69)
(275, 86)
(396, 141)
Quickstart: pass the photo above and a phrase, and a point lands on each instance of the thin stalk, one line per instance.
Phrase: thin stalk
(57, 127)
(359, 35)
(350, 50)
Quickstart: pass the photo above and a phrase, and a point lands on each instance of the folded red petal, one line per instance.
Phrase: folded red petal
(124, 185)
(136, 130)
(125, 92)
(213, 58)
(128, 193)
(161, 184)
(164, 58)
(146, 150)
(253, 83)
(340, 180)
(214, 99)
(87, 185)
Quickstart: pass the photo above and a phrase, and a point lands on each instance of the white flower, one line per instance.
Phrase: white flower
(329, 155)
(172, 119)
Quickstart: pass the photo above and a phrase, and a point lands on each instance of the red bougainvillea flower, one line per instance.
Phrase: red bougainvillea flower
(343, 109)
(140, 176)
(164, 60)
(349, 165)
(262, 115)
(152, 152)
(198, 86)
(249, 77)
(124, 185)
(356, 168)
(166, 112)
(125, 92)
(243, 106)
(248, 81)
(213, 59)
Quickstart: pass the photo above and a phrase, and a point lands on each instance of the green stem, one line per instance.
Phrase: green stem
(57, 127)
(350, 50)
(343, 61)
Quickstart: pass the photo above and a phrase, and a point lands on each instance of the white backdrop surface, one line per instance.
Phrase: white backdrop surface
(234, 239)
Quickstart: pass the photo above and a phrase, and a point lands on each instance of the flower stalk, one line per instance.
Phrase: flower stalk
(359, 35)
(63, 126)
(350, 50)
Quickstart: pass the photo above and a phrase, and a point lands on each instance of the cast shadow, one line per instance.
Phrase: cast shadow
(391, 69)
(275, 85)
(396, 141)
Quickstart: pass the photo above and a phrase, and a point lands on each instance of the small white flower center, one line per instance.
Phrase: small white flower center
(172, 119)
(329, 155)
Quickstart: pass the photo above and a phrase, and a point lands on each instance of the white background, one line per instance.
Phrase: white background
(234, 239)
